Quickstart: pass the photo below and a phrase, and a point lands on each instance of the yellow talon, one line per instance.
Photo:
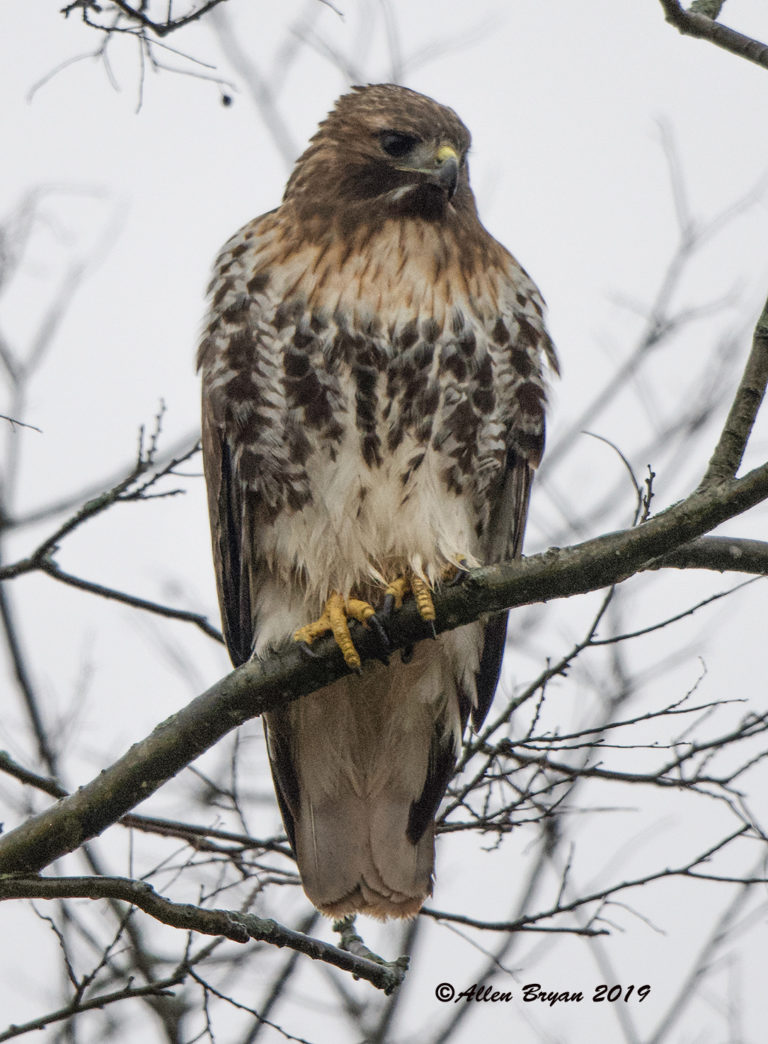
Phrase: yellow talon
(399, 587)
(334, 619)
(337, 613)
(398, 590)
(360, 611)
(423, 597)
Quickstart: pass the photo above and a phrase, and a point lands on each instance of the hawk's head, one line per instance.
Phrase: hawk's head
(383, 152)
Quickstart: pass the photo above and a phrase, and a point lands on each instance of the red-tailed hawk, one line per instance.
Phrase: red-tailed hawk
(373, 411)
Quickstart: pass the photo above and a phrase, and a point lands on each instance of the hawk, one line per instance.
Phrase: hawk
(373, 367)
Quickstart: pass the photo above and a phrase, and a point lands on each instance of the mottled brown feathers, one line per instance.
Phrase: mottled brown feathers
(373, 404)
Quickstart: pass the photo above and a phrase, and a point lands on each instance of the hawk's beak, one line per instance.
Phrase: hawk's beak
(447, 169)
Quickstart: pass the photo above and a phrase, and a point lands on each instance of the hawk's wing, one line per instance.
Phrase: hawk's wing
(507, 528)
(525, 436)
(229, 353)
(232, 561)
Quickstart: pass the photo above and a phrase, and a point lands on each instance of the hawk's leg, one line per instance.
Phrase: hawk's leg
(335, 618)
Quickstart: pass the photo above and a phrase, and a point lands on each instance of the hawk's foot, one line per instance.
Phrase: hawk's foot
(398, 589)
(335, 618)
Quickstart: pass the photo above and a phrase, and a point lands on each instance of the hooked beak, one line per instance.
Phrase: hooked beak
(446, 169)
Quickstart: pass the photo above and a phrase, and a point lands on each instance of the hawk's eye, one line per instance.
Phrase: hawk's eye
(396, 144)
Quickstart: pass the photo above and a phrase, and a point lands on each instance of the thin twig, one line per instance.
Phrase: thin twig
(49, 567)
(161, 988)
(193, 833)
(682, 870)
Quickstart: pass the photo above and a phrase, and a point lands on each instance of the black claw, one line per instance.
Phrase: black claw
(380, 631)
(462, 571)
(307, 650)
(379, 628)
(407, 654)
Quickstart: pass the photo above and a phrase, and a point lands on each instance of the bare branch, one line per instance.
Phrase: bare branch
(155, 989)
(261, 685)
(49, 567)
(122, 491)
(116, 19)
(15, 423)
(726, 459)
(231, 924)
(194, 834)
(24, 680)
(45, 783)
(510, 926)
(260, 87)
(181, 450)
(695, 23)
(127, 489)
(724, 554)
(259, 1016)
(137, 14)
(714, 941)
(688, 869)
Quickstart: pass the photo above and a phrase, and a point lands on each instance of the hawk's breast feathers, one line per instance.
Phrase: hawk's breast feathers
(373, 403)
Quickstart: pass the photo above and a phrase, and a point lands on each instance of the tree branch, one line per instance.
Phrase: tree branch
(127, 490)
(722, 554)
(155, 989)
(262, 685)
(138, 15)
(600, 895)
(47, 565)
(693, 23)
(231, 924)
(729, 451)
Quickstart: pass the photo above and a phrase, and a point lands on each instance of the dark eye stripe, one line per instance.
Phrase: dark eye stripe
(397, 144)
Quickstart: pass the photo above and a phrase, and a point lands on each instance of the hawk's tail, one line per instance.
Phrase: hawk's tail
(355, 857)
(360, 768)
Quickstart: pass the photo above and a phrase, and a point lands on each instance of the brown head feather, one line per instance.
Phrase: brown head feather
(346, 177)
